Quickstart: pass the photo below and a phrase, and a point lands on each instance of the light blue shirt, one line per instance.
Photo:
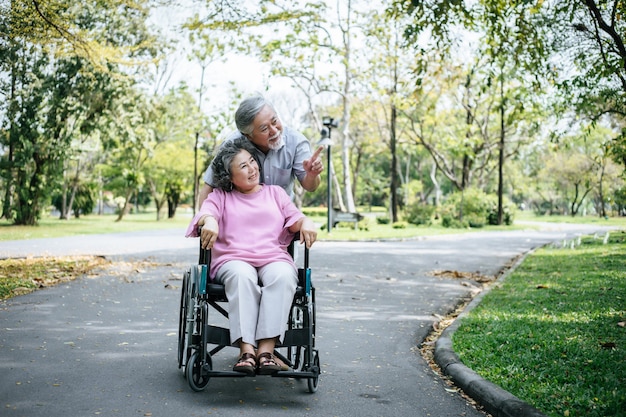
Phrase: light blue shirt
(280, 166)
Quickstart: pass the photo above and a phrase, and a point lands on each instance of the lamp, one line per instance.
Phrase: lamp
(325, 140)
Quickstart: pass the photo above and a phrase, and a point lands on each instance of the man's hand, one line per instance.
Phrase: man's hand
(313, 165)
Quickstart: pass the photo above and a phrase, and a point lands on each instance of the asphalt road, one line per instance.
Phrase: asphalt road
(106, 345)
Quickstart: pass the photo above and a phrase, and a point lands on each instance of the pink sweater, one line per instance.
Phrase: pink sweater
(252, 227)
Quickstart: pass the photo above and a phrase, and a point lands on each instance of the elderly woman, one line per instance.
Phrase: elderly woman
(248, 226)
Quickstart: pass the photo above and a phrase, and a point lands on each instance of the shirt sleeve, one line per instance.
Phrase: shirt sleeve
(208, 176)
(212, 206)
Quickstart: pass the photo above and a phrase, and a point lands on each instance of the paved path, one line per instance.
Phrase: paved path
(106, 345)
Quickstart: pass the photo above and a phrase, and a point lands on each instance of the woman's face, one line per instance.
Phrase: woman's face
(266, 130)
(244, 172)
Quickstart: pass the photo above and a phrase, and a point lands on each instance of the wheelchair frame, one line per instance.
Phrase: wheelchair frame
(195, 334)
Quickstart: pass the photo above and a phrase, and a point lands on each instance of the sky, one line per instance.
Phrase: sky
(247, 73)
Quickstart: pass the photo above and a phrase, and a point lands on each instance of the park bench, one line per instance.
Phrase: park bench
(348, 217)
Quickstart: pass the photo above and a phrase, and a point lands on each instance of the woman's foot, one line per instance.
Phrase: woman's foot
(246, 364)
(267, 364)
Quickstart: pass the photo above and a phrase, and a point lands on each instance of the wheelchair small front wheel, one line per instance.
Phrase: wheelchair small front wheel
(313, 382)
(196, 372)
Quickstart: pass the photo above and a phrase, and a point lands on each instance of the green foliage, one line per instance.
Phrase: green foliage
(383, 219)
(59, 82)
(419, 213)
(83, 202)
(466, 208)
(399, 225)
(508, 211)
(449, 221)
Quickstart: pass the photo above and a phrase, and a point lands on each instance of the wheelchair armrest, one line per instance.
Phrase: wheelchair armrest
(205, 254)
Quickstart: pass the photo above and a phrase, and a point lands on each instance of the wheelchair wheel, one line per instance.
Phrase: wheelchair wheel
(296, 321)
(196, 372)
(182, 323)
(312, 382)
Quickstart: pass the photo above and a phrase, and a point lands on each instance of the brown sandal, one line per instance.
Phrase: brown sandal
(269, 365)
(244, 365)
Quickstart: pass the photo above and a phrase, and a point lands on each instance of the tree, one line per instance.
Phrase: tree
(580, 46)
(50, 84)
(390, 71)
(167, 172)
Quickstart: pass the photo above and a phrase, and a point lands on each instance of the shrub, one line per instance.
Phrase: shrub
(420, 213)
(508, 211)
(474, 220)
(383, 220)
(472, 204)
(399, 225)
(452, 222)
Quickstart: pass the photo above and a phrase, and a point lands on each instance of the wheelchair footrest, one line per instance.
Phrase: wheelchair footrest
(224, 374)
(313, 373)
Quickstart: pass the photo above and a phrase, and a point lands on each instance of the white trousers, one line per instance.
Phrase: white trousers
(259, 299)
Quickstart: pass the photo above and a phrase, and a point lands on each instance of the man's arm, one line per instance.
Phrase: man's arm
(313, 168)
(204, 193)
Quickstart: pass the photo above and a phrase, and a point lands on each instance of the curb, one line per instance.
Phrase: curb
(496, 401)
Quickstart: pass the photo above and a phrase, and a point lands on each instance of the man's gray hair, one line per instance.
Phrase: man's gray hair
(248, 110)
(224, 157)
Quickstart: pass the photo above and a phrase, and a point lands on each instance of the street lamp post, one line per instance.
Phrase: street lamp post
(329, 123)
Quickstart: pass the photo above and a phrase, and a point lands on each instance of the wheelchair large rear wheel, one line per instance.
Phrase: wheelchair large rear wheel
(182, 323)
(196, 371)
(294, 353)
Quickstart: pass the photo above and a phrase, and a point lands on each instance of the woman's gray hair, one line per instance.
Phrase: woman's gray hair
(224, 157)
(247, 111)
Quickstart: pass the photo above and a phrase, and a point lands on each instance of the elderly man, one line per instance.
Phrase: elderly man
(284, 153)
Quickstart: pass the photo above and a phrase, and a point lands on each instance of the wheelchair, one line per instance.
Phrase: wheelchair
(199, 340)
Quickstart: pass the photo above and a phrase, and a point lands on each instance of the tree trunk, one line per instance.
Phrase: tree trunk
(126, 207)
(501, 154)
(394, 166)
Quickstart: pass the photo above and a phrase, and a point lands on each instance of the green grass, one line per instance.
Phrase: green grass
(553, 332)
(91, 224)
(521, 216)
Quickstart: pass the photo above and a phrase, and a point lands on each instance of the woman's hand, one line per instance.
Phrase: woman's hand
(308, 232)
(208, 234)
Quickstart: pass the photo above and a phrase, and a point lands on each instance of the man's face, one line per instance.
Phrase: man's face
(267, 130)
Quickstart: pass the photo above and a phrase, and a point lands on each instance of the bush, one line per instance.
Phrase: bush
(399, 225)
(474, 220)
(508, 211)
(478, 209)
(472, 204)
(420, 213)
(383, 220)
(452, 222)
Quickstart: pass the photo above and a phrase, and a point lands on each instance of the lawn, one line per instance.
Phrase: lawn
(553, 333)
